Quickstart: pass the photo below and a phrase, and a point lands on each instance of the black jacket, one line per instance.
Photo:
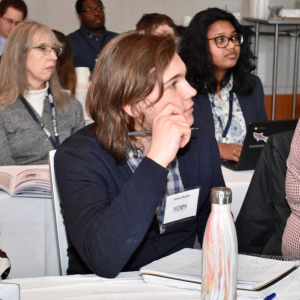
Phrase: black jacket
(262, 218)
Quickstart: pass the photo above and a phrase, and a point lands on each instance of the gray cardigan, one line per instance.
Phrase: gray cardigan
(22, 140)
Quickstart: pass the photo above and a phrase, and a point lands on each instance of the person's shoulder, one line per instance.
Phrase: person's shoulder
(74, 103)
(81, 140)
(73, 35)
(254, 78)
(110, 35)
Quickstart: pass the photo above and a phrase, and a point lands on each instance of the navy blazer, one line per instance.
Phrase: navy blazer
(252, 106)
(110, 212)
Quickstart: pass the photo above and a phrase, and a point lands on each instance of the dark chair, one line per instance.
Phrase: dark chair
(263, 216)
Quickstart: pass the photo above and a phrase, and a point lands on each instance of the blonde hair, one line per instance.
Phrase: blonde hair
(13, 69)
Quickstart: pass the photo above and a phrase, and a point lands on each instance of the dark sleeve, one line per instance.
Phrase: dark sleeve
(259, 98)
(104, 225)
(216, 180)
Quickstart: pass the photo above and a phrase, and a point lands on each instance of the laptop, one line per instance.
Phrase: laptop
(256, 137)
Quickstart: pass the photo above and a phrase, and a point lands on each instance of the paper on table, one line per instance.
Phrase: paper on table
(253, 272)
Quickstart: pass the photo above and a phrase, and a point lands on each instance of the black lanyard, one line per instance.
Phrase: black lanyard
(55, 142)
(225, 131)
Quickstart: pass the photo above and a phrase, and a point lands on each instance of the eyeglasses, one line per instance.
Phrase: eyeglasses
(91, 10)
(46, 50)
(10, 21)
(223, 41)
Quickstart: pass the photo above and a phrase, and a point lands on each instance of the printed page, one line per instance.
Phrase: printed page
(33, 181)
(6, 182)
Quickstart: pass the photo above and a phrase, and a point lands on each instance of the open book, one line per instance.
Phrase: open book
(26, 181)
(257, 276)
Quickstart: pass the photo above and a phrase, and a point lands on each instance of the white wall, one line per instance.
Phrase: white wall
(122, 15)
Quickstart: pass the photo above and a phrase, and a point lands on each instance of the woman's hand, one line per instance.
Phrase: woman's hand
(230, 151)
(170, 131)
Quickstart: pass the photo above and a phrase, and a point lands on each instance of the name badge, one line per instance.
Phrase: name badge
(181, 206)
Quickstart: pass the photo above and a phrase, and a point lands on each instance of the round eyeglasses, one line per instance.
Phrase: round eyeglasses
(91, 10)
(223, 41)
(46, 49)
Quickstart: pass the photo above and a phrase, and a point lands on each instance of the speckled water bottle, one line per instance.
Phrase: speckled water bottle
(219, 251)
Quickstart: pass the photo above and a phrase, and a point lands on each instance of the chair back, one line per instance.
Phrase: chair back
(60, 226)
(264, 213)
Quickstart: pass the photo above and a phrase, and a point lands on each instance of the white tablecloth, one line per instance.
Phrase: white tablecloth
(28, 236)
(125, 286)
(239, 183)
(28, 232)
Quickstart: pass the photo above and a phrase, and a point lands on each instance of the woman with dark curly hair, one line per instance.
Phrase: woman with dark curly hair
(216, 50)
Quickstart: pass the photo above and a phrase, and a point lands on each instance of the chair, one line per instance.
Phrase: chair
(60, 226)
(264, 213)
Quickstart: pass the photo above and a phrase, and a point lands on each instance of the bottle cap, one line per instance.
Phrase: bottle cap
(221, 195)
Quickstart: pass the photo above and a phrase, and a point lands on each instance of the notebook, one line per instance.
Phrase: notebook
(257, 276)
(256, 137)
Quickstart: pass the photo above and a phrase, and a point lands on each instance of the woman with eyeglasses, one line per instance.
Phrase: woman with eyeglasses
(216, 51)
(35, 114)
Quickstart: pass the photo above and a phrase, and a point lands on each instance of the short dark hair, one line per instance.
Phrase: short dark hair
(150, 22)
(79, 4)
(195, 52)
(17, 4)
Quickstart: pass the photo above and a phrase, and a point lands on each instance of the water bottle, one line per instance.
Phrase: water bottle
(219, 250)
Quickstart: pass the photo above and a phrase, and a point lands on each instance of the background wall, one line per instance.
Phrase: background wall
(122, 15)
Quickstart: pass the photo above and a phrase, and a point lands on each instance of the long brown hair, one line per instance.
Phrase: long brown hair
(13, 69)
(64, 66)
(126, 72)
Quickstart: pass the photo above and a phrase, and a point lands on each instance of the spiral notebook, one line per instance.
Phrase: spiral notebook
(258, 276)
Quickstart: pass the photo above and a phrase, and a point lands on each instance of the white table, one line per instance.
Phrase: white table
(125, 286)
(28, 232)
(28, 236)
(239, 183)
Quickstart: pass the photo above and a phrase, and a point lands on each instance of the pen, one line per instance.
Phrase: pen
(145, 132)
(270, 297)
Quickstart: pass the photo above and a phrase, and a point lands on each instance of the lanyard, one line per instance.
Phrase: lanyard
(55, 142)
(225, 131)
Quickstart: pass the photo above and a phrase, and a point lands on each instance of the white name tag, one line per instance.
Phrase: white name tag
(181, 206)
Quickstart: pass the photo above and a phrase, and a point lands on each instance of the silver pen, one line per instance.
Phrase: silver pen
(145, 132)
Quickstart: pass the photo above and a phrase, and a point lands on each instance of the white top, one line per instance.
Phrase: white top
(220, 109)
(36, 99)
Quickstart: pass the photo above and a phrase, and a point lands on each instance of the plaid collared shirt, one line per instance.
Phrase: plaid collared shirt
(173, 185)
